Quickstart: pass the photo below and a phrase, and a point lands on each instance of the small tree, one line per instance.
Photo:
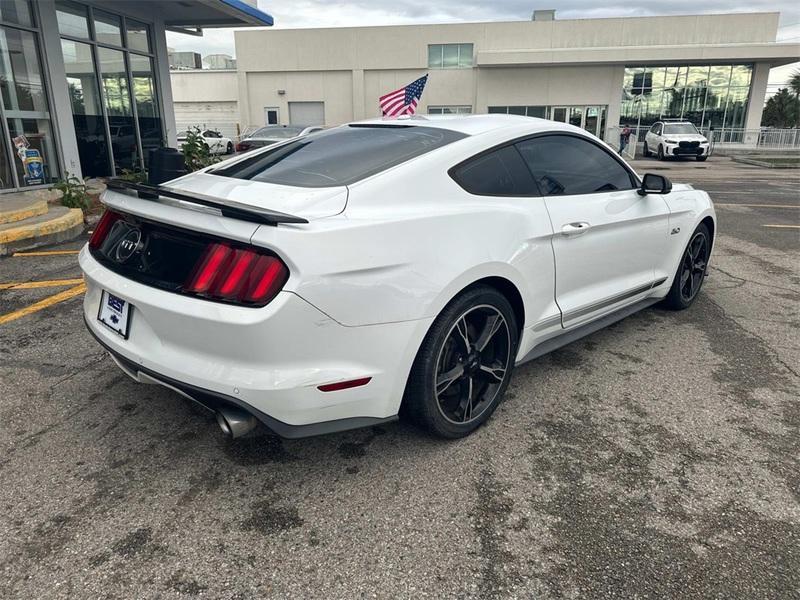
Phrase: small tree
(781, 110)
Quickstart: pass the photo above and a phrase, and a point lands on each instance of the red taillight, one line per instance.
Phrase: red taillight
(237, 275)
(242, 147)
(104, 225)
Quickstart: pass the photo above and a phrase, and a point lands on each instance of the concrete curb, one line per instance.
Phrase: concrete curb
(51, 231)
(34, 209)
(761, 163)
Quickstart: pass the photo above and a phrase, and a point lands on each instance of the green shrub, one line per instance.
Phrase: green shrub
(74, 192)
(196, 152)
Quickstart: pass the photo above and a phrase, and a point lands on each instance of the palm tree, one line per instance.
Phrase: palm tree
(780, 110)
(794, 83)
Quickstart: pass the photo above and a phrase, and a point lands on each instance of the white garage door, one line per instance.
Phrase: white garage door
(306, 113)
(222, 116)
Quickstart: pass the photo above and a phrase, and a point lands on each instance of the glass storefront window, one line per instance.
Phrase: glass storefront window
(87, 111)
(144, 94)
(17, 12)
(576, 115)
(138, 36)
(737, 107)
(113, 90)
(25, 106)
(20, 74)
(73, 19)
(537, 111)
(40, 137)
(720, 75)
(697, 77)
(117, 98)
(740, 75)
(707, 95)
(107, 28)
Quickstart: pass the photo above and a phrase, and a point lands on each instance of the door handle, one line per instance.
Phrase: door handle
(575, 228)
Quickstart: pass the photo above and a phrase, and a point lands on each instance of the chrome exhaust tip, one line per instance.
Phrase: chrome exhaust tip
(235, 422)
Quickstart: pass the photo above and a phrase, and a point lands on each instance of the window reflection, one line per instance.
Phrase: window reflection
(138, 37)
(144, 94)
(117, 98)
(25, 106)
(706, 95)
(17, 12)
(72, 19)
(107, 28)
(87, 112)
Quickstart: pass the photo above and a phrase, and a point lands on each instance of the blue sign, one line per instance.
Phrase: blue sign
(34, 168)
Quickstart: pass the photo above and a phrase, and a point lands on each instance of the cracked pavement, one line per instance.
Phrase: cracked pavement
(657, 458)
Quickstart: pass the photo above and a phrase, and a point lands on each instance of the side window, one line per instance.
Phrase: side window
(658, 129)
(501, 172)
(564, 165)
(654, 129)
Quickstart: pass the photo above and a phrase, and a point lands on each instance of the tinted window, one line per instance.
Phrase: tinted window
(566, 165)
(680, 129)
(340, 156)
(498, 173)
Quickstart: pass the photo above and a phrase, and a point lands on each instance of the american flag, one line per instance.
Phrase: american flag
(403, 101)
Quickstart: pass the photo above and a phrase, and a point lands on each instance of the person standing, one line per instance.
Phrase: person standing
(624, 138)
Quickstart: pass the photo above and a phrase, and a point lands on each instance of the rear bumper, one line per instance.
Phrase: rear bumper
(268, 361)
(214, 401)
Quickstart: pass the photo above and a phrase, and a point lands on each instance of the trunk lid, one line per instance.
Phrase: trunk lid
(309, 203)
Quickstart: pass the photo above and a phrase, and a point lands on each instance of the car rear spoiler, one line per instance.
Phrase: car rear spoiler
(228, 208)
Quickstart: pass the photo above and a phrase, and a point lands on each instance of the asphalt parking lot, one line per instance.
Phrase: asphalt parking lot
(657, 458)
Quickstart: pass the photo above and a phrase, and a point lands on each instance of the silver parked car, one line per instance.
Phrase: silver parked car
(272, 134)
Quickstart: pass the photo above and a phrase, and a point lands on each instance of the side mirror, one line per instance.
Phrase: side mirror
(655, 184)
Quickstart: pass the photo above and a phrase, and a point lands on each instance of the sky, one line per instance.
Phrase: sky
(349, 13)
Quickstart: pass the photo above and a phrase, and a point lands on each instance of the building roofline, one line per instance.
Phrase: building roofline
(549, 23)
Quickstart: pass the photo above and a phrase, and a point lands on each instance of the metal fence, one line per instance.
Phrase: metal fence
(766, 138)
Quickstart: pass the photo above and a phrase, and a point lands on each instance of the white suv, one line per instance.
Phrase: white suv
(675, 138)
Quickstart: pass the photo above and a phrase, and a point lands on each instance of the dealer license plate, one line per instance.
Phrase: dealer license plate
(115, 313)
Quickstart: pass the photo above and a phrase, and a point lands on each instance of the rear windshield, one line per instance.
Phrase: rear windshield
(277, 132)
(679, 128)
(340, 156)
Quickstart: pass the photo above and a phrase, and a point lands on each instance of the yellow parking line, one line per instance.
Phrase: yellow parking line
(758, 205)
(46, 253)
(31, 285)
(42, 304)
(783, 226)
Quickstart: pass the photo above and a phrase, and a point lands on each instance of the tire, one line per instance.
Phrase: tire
(660, 154)
(229, 149)
(702, 158)
(697, 265)
(444, 351)
(646, 151)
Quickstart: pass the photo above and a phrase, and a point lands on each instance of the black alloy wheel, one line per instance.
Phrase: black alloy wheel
(691, 271)
(646, 150)
(472, 364)
(693, 266)
(464, 365)
(660, 152)
(229, 149)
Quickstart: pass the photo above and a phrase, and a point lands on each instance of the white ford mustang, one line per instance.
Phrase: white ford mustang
(384, 267)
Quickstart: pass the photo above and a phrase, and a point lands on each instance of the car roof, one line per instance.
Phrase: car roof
(470, 124)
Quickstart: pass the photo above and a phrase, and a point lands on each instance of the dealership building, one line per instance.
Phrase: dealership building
(594, 73)
(85, 84)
